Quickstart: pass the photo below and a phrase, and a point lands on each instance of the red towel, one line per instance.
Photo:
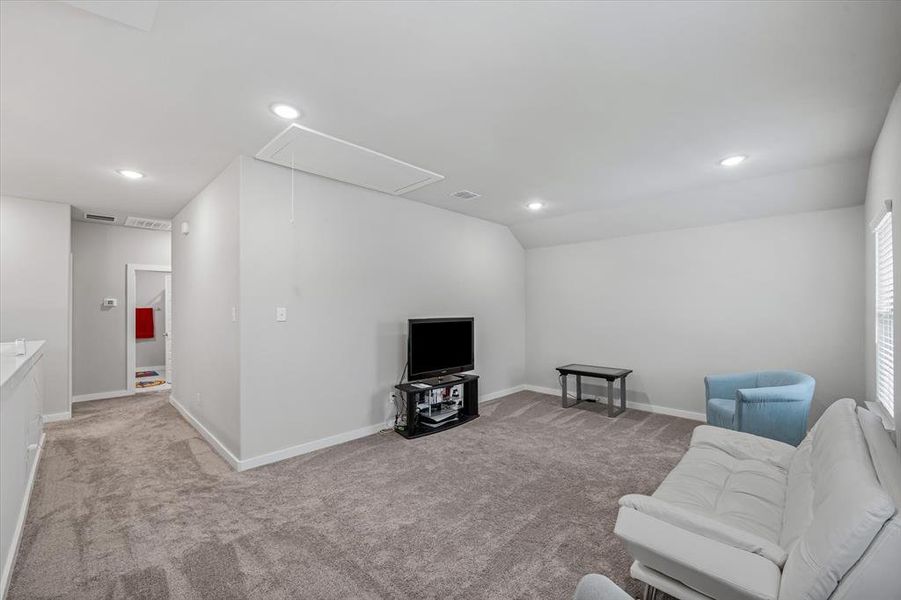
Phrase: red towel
(143, 323)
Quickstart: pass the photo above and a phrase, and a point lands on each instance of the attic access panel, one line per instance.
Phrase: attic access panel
(312, 151)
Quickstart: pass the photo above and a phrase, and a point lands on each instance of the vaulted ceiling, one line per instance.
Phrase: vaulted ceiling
(609, 113)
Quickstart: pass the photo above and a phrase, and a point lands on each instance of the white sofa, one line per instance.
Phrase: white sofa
(743, 517)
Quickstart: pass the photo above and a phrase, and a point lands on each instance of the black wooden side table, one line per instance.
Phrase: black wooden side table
(611, 374)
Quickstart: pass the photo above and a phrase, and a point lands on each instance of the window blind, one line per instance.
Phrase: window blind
(885, 316)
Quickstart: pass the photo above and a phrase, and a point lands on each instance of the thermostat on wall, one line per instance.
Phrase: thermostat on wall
(110, 303)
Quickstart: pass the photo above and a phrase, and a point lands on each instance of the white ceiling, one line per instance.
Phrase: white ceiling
(598, 109)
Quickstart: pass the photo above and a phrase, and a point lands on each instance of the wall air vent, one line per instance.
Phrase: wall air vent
(101, 218)
(315, 152)
(465, 195)
(142, 223)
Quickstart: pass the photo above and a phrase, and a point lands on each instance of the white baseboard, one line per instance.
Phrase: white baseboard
(654, 408)
(340, 438)
(213, 441)
(61, 416)
(102, 395)
(500, 393)
(333, 440)
(20, 522)
(271, 457)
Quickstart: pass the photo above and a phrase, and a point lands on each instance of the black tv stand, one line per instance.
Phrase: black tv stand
(413, 393)
(437, 381)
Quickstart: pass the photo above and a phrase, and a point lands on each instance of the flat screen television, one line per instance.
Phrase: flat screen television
(438, 347)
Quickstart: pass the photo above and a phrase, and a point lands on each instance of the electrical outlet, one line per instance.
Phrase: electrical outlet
(281, 313)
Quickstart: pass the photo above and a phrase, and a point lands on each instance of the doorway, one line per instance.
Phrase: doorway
(149, 328)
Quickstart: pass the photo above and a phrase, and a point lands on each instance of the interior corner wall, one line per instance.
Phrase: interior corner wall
(35, 246)
(884, 183)
(351, 269)
(100, 253)
(205, 336)
(776, 293)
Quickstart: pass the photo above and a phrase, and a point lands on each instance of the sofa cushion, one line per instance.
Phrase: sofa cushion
(847, 506)
(736, 478)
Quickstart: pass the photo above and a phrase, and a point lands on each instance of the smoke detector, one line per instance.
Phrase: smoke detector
(143, 223)
(465, 195)
(98, 217)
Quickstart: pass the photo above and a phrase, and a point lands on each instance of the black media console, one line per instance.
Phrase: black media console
(431, 407)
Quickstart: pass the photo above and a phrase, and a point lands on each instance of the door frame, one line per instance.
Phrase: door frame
(131, 290)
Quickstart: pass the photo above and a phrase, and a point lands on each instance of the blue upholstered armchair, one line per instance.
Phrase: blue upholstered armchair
(772, 404)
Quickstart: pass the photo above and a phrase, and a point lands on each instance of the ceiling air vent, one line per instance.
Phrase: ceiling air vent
(102, 218)
(465, 195)
(142, 223)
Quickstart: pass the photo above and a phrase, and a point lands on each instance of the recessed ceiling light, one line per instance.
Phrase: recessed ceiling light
(129, 174)
(535, 205)
(731, 161)
(285, 111)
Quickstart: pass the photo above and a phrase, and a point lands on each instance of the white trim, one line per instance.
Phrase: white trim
(271, 457)
(61, 416)
(218, 446)
(883, 210)
(131, 287)
(501, 393)
(654, 408)
(333, 440)
(102, 395)
(20, 521)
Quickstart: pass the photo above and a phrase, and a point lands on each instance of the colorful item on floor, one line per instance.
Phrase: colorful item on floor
(151, 383)
(147, 374)
(143, 323)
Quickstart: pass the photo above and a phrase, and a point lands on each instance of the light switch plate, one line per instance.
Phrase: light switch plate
(281, 313)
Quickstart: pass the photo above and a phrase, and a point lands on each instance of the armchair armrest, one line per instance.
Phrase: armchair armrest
(799, 392)
(727, 385)
(708, 566)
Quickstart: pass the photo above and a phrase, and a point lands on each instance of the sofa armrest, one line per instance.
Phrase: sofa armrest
(727, 385)
(708, 566)
(705, 526)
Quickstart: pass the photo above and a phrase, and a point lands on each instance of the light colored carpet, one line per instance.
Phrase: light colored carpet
(131, 503)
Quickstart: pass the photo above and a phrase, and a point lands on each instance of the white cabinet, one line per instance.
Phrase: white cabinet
(21, 402)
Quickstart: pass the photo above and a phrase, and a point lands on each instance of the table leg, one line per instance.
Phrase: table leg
(612, 409)
(563, 393)
(578, 388)
(609, 398)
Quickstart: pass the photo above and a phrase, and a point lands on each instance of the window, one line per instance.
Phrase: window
(885, 316)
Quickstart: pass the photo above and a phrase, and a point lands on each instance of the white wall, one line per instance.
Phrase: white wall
(884, 184)
(204, 291)
(151, 293)
(34, 286)
(100, 254)
(781, 293)
(351, 270)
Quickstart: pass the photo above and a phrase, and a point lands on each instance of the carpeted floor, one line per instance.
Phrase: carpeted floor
(131, 503)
